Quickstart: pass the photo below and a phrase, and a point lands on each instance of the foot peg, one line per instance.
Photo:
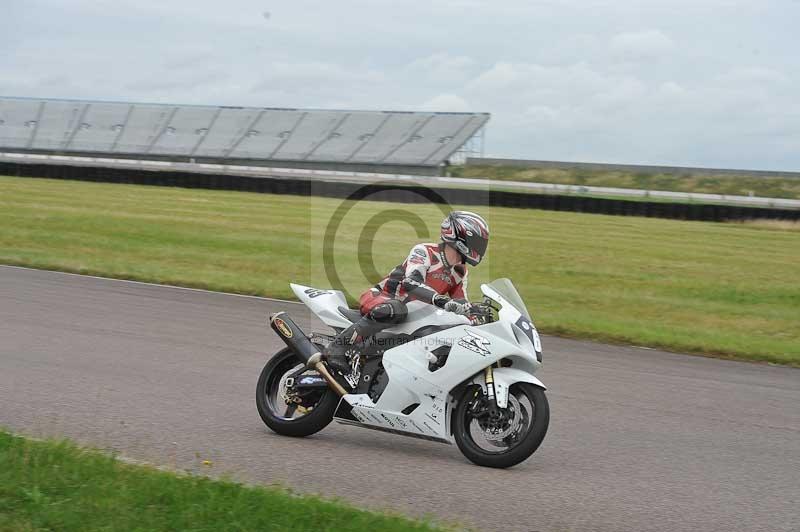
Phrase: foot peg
(345, 360)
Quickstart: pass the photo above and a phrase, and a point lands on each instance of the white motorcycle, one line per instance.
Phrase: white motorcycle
(436, 376)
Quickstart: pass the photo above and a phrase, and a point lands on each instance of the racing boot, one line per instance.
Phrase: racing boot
(343, 354)
(336, 354)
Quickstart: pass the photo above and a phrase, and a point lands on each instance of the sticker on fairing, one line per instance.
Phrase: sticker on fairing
(475, 343)
(314, 292)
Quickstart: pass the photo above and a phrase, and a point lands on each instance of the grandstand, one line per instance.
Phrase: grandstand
(383, 141)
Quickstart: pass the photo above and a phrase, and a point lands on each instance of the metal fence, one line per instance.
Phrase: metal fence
(393, 192)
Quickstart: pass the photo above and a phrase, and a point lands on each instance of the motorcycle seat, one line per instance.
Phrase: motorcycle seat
(350, 314)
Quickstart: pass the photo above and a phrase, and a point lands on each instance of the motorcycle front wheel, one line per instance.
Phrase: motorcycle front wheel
(288, 413)
(507, 436)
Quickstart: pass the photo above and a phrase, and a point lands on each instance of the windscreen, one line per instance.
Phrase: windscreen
(505, 288)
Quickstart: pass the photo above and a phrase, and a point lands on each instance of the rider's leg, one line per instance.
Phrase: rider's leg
(383, 314)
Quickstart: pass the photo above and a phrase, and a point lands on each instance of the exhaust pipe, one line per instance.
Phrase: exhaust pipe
(307, 352)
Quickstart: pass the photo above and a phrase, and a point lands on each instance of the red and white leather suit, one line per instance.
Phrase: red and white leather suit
(426, 266)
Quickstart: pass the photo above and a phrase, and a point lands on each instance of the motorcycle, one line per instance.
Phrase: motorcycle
(438, 376)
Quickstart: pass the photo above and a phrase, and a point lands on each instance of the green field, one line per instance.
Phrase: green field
(49, 485)
(730, 290)
(737, 185)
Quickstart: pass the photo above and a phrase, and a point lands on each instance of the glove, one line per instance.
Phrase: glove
(480, 314)
(458, 307)
(439, 300)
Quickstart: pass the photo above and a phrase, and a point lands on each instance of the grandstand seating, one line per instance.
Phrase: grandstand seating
(424, 139)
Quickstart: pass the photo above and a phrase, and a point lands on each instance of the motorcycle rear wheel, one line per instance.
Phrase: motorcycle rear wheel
(503, 445)
(317, 411)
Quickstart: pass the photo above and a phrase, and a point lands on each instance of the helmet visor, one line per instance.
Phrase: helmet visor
(473, 249)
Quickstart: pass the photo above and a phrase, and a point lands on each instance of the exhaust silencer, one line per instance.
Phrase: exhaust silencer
(307, 352)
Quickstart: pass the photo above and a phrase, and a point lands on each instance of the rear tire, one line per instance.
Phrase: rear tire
(314, 421)
(537, 413)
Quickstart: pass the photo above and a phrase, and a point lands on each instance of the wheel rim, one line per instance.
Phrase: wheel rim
(499, 436)
(279, 398)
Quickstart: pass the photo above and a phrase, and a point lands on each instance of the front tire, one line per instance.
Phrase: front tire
(285, 418)
(507, 442)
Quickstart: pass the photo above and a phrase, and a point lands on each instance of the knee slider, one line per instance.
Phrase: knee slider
(393, 311)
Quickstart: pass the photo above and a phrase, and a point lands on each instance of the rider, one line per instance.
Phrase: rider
(433, 273)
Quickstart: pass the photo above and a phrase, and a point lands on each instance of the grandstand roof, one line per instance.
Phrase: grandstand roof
(256, 133)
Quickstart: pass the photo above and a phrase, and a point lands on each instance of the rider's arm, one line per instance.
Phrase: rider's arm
(415, 287)
(413, 283)
(425, 293)
(417, 266)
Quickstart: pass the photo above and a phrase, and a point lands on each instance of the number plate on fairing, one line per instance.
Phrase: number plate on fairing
(533, 335)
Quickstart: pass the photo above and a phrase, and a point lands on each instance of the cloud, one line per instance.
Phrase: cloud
(542, 114)
(441, 67)
(613, 80)
(753, 75)
(596, 112)
(641, 45)
(300, 74)
(670, 90)
(573, 85)
(500, 76)
(447, 103)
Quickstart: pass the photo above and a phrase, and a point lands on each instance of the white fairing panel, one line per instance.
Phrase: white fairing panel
(423, 314)
(427, 397)
(472, 348)
(323, 303)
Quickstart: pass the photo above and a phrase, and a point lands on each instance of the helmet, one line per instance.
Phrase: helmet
(468, 233)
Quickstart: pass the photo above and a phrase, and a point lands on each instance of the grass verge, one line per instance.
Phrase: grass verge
(730, 290)
(738, 185)
(54, 485)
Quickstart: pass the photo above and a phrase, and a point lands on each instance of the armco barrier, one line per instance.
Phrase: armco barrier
(392, 193)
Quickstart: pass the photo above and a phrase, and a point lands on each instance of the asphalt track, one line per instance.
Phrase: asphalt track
(639, 439)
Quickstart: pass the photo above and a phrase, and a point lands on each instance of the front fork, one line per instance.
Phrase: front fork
(491, 397)
(488, 405)
(488, 375)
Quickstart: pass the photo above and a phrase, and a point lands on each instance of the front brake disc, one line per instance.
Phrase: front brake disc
(510, 426)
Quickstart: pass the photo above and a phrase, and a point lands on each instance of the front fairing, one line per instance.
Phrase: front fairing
(515, 315)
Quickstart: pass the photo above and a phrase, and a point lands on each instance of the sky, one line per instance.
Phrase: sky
(712, 83)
